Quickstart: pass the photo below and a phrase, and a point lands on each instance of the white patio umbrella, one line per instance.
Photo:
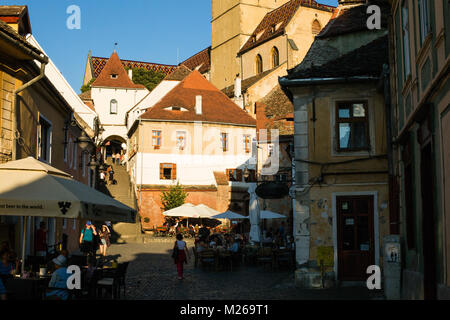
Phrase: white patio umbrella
(229, 215)
(186, 210)
(254, 215)
(30, 187)
(205, 211)
(266, 214)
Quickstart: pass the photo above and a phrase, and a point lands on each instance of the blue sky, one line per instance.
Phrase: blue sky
(160, 31)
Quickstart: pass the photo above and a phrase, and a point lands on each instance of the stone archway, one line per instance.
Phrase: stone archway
(112, 145)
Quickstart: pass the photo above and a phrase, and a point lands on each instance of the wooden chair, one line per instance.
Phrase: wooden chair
(208, 257)
(121, 275)
(265, 256)
(109, 282)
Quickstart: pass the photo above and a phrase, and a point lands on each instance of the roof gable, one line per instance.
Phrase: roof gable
(114, 75)
(275, 22)
(216, 106)
(201, 61)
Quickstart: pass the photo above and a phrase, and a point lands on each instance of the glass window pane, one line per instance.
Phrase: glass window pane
(363, 233)
(344, 112)
(348, 241)
(359, 137)
(358, 110)
(344, 135)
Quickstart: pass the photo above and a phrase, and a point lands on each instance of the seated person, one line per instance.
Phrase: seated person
(201, 245)
(235, 246)
(59, 280)
(8, 268)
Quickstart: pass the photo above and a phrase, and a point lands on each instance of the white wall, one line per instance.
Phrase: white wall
(114, 124)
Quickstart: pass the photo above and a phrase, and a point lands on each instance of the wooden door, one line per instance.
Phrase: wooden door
(356, 246)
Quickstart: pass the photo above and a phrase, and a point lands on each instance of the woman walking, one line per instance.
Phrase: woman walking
(104, 238)
(181, 256)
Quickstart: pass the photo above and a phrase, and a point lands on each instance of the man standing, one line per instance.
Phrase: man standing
(87, 238)
(41, 240)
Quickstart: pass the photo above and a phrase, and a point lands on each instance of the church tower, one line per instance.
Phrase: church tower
(233, 22)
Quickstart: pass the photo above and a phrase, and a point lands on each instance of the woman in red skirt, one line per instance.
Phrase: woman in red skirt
(182, 256)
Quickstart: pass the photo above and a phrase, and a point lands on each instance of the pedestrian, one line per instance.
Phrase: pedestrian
(87, 239)
(122, 160)
(41, 240)
(113, 157)
(180, 255)
(102, 178)
(58, 281)
(104, 238)
(108, 170)
(111, 176)
(118, 158)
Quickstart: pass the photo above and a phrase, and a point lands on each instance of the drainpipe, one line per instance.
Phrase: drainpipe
(26, 85)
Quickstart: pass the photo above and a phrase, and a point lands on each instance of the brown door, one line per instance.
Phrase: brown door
(355, 237)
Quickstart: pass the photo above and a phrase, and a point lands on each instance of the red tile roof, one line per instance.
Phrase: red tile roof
(216, 106)
(279, 18)
(201, 60)
(115, 67)
(98, 63)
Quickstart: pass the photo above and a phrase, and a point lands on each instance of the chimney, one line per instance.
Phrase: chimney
(130, 74)
(237, 86)
(198, 104)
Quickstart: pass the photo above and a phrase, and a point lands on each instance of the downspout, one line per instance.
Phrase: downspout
(393, 190)
(26, 85)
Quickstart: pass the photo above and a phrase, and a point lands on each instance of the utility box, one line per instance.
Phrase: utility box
(392, 267)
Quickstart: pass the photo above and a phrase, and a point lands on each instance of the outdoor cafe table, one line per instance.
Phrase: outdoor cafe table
(26, 289)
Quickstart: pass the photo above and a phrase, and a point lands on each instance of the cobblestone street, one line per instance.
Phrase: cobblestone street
(152, 275)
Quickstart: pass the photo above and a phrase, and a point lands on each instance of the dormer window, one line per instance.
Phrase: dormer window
(273, 28)
(253, 38)
(176, 108)
(114, 76)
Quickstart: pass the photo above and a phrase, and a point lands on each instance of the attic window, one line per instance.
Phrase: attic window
(114, 76)
(175, 108)
(253, 38)
(273, 28)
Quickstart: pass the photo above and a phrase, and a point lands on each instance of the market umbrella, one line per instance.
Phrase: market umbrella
(185, 210)
(205, 211)
(229, 215)
(265, 214)
(30, 187)
(254, 214)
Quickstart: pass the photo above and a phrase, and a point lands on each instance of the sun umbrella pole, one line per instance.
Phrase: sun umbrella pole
(24, 244)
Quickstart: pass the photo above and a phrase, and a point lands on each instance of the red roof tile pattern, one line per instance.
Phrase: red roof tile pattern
(279, 17)
(216, 106)
(201, 60)
(179, 74)
(115, 67)
(99, 63)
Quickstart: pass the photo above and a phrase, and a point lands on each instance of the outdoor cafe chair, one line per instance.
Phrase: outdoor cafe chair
(121, 275)
(208, 257)
(108, 281)
(265, 256)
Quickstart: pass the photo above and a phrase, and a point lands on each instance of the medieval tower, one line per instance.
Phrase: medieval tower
(233, 22)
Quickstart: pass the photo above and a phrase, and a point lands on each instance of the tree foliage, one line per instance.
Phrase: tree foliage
(173, 198)
(87, 86)
(149, 78)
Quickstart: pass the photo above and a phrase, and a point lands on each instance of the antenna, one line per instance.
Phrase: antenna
(178, 56)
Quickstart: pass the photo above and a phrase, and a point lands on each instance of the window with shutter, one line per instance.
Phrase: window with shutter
(168, 171)
(316, 27)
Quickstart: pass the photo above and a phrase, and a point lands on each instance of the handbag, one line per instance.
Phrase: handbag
(175, 252)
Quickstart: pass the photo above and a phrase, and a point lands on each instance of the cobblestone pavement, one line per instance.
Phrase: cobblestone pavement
(152, 276)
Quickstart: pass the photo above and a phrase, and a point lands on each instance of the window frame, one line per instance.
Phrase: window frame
(424, 20)
(247, 143)
(258, 64)
(48, 139)
(224, 142)
(314, 26)
(156, 146)
(182, 135)
(275, 55)
(406, 41)
(173, 172)
(235, 172)
(111, 106)
(352, 119)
